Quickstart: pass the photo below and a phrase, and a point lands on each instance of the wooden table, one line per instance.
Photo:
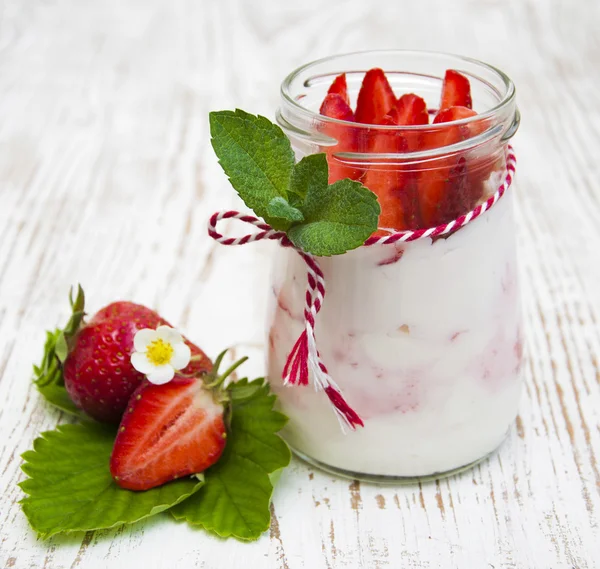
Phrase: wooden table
(107, 178)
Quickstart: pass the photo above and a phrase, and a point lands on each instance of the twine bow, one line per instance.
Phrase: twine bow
(304, 359)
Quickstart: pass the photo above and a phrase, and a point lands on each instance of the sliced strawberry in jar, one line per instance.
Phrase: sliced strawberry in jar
(168, 431)
(396, 188)
(340, 87)
(334, 106)
(410, 109)
(444, 182)
(456, 91)
(375, 98)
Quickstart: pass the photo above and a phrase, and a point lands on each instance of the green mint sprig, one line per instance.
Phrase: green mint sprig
(319, 218)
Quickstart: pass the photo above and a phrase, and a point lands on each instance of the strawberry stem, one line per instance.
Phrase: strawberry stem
(218, 361)
(231, 369)
(219, 379)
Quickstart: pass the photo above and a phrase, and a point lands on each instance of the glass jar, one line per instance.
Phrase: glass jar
(423, 338)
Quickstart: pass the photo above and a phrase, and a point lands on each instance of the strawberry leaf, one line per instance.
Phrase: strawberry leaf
(48, 376)
(235, 499)
(70, 487)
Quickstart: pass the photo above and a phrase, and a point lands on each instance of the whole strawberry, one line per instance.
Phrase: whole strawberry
(96, 357)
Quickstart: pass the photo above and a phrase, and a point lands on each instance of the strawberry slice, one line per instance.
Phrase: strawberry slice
(397, 189)
(456, 91)
(375, 98)
(442, 189)
(410, 109)
(340, 87)
(168, 431)
(335, 106)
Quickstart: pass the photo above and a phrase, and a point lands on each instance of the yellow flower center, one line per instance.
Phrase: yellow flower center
(159, 352)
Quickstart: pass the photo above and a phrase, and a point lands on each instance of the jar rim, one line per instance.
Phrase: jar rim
(507, 99)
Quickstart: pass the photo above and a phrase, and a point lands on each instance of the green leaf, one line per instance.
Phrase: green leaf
(280, 208)
(257, 157)
(60, 348)
(338, 218)
(70, 487)
(48, 376)
(57, 395)
(309, 174)
(236, 497)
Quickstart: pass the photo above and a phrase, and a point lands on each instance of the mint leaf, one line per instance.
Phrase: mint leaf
(237, 492)
(279, 207)
(309, 174)
(70, 487)
(257, 157)
(338, 218)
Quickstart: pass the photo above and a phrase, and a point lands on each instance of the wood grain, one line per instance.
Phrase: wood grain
(107, 178)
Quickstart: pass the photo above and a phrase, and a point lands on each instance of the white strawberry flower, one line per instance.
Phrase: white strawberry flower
(159, 353)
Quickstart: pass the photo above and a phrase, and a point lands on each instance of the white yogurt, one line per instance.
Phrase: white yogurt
(423, 338)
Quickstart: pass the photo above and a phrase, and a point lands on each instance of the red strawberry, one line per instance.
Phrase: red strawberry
(456, 91)
(410, 109)
(98, 374)
(396, 188)
(334, 106)
(168, 431)
(375, 98)
(455, 113)
(340, 87)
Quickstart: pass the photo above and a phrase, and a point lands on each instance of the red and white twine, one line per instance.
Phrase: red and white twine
(304, 360)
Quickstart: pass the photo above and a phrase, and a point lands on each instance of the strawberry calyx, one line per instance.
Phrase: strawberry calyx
(215, 381)
(58, 342)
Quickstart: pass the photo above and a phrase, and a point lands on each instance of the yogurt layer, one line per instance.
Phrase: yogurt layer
(424, 340)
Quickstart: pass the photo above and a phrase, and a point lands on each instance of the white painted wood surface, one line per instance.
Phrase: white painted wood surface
(107, 178)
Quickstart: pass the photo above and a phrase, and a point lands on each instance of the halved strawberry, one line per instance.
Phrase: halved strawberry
(456, 91)
(375, 98)
(397, 189)
(168, 431)
(334, 106)
(340, 87)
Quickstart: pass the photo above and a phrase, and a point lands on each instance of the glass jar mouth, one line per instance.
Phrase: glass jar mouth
(505, 101)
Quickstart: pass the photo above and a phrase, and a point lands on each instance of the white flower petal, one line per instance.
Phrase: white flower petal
(161, 374)
(142, 338)
(169, 335)
(181, 355)
(140, 361)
